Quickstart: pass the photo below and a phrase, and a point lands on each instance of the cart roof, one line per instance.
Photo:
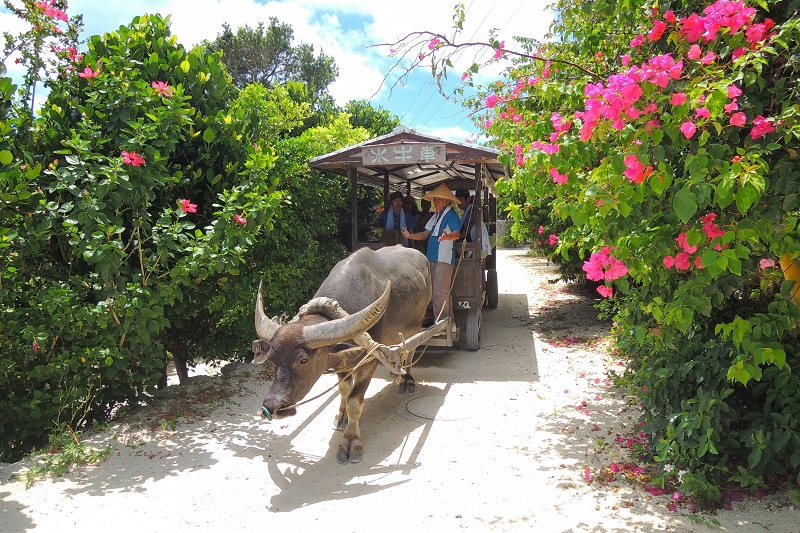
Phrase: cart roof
(411, 159)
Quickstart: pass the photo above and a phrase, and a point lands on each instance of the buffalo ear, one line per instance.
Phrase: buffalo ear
(259, 345)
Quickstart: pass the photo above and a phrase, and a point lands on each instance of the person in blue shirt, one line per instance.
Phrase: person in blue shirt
(395, 218)
(441, 231)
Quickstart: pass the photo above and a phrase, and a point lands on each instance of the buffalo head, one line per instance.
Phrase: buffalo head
(312, 342)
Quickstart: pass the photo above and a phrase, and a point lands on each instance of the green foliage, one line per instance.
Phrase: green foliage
(62, 454)
(377, 121)
(102, 269)
(271, 112)
(297, 254)
(671, 157)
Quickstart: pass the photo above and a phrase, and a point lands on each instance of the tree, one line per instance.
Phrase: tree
(266, 56)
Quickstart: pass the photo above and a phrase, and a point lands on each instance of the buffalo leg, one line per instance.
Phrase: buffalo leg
(350, 449)
(407, 384)
(345, 388)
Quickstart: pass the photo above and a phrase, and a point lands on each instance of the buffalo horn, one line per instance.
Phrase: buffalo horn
(327, 333)
(265, 326)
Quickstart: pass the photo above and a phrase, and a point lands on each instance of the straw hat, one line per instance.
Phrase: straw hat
(440, 192)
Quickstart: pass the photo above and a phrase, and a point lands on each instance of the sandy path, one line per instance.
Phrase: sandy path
(493, 440)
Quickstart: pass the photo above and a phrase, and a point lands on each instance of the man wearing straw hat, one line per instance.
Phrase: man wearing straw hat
(441, 232)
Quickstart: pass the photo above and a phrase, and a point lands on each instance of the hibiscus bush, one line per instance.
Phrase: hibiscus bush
(660, 139)
(126, 217)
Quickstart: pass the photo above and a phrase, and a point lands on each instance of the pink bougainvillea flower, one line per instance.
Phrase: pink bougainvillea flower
(604, 266)
(187, 206)
(546, 70)
(614, 467)
(708, 58)
(35, 346)
(498, 53)
(711, 230)
(433, 44)
(669, 262)
(682, 261)
(162, 88)
(559, 178)
(132, 158)
(761, 126)
(49, 9)
(637, 41)
(89, 73)
(685, 245)
(702, 112)
(492, 100)
(677, 98)
(766, 263)
(688, 129)
(541, 230)
(739, 52)
(553, 239)
(698, 262)
(634, 169)
(464, 76)
(655, 34)
(694, 52)
(734, 91)
(759, 32)
(626, 59)
(240, 219)
(605, 292)
(738, 119)
(730, 107)
(550, 149)
(669, 16)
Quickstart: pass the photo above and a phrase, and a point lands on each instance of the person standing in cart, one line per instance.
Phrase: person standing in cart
(441, 231)
(396, 216)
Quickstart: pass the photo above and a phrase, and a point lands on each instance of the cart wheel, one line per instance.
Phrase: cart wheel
(491, 288)
(471, 337)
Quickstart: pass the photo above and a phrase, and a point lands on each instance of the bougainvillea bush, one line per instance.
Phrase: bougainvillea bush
(660, 140)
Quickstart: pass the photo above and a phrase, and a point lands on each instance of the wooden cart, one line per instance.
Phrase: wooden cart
(415, 164)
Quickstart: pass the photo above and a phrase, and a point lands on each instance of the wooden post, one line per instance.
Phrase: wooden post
(353, 175)
(477, 210)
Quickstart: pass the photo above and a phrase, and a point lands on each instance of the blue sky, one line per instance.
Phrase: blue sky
(345, 30)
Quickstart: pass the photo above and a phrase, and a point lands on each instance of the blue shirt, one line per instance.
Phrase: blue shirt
(445, 251)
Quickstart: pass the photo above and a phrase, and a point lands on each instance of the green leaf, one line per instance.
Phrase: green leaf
(746, 196)
(209, 135)
(754, 457)
(684, 204)
(6, 157)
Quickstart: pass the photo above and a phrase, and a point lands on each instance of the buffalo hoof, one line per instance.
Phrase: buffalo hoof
(353, 455)
(407, 386)
(340, 422)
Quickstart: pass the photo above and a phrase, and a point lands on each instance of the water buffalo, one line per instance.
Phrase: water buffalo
(368, 300)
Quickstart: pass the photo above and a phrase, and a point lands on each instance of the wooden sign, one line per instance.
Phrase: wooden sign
(403, 154)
